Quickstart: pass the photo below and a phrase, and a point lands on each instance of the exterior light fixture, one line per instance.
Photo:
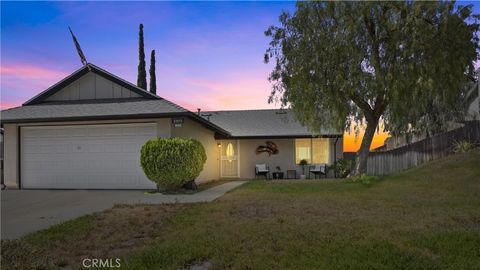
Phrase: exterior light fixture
(219, 145)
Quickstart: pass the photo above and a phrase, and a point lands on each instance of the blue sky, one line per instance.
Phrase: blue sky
(209, 54)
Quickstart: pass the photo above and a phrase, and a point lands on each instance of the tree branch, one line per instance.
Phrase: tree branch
(363, 105)
(375, 46)
(380, 106)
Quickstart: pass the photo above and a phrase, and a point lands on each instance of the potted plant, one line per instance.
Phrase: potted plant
(303, 163)
(342, 167)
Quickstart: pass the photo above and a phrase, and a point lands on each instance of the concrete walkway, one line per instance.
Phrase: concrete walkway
(25, 211)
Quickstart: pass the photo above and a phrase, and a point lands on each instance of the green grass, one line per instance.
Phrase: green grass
(424, 218)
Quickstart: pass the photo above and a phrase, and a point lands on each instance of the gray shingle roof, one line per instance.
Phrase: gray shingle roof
(133, 108)
(91, 109)
(262, 123)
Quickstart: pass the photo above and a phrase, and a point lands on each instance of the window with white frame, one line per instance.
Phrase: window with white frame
(315, 150)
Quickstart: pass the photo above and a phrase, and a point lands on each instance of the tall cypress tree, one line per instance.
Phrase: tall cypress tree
(142, 73)
(153, 77)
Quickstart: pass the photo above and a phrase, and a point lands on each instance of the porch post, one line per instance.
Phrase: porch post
(335, 155)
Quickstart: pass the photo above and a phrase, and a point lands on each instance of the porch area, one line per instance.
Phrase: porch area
(272, 158)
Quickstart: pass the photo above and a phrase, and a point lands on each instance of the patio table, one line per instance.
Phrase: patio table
(277, 175)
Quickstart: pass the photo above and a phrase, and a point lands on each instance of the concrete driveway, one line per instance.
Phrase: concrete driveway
(25, 211)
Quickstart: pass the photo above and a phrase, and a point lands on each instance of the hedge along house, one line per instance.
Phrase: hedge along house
(86, 131)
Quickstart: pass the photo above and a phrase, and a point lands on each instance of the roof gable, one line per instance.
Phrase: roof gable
(90, 82)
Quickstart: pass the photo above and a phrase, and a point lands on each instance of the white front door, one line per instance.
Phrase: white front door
(84, 156)
(229, 159)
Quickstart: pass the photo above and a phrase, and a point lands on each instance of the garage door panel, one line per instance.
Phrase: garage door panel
(85, 157)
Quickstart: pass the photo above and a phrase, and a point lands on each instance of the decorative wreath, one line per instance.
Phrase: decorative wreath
(270, 148)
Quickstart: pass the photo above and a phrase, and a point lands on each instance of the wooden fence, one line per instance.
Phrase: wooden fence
(411, 155)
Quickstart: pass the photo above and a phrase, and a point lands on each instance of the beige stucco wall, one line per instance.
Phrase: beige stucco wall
(10, 149)
(248, 157)
(285, 157)
(194, 130)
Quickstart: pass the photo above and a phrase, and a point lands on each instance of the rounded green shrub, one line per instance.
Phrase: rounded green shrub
(172, 162)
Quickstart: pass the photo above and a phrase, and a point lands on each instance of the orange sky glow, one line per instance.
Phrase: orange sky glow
(352, 144)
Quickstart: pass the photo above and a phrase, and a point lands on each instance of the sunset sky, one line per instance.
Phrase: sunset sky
(209, 54)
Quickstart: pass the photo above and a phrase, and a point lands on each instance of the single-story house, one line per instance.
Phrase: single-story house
(86, 131)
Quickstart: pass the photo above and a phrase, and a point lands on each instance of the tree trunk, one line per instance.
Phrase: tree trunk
(362, 155)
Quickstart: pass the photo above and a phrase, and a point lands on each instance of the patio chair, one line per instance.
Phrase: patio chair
(262, 169)
(319, 169)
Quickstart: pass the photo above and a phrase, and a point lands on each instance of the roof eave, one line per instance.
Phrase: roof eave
(204, 122)
(220, 131)
(290, 136)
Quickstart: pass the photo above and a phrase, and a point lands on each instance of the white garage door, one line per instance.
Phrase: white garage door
(84, 156)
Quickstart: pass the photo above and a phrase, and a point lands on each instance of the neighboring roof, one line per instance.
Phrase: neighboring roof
(263, 123)
(79, 73)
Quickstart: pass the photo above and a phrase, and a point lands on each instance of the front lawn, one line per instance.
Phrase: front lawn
(425, 218)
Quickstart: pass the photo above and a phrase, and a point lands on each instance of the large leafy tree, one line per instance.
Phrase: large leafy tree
(142, 73)
(153, 77)
(341, 63)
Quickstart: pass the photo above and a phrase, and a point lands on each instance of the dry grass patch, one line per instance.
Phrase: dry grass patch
(109, 234)
(200, 187)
